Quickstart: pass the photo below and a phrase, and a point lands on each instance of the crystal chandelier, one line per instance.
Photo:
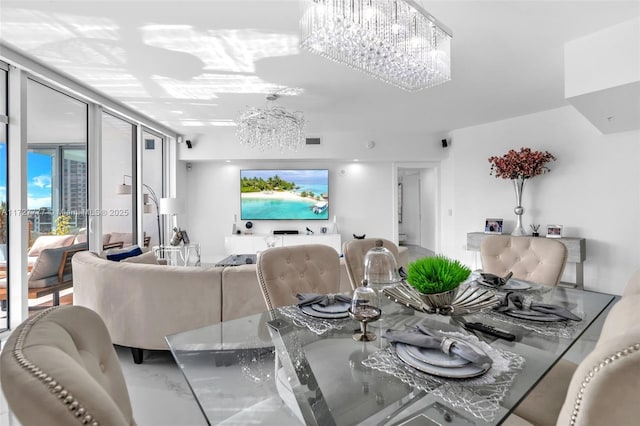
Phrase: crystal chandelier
(271, 127)
(396, 41)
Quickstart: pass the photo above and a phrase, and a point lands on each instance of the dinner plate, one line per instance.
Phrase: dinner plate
(334, 308)
(324, 315)
(538, 316)
(436, 357)
(463, 372)
(512, 284)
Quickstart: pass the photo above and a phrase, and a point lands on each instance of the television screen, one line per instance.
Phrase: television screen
(284, 194)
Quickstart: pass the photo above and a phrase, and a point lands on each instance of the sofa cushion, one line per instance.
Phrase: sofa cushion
(50, 241)
(148, 258)
(119, 254)
(45, 269)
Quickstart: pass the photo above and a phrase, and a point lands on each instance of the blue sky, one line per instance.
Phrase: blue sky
(38, 179)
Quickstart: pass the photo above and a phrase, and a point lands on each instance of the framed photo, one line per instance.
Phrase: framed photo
(185, 237)
(493, 226)
(554, 231)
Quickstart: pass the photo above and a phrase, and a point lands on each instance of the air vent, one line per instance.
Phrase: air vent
(313, 141)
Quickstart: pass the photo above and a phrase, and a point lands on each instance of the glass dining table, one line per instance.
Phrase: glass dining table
(283, 367)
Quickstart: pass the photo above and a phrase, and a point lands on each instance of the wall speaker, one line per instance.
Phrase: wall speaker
(444, 143)
(189, 144)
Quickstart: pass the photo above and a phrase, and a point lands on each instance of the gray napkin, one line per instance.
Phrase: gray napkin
(308, 299)
(515, 302)
(495, 280)
(422, 337)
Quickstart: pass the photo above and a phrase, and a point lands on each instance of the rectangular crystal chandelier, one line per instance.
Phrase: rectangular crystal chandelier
(396, 41)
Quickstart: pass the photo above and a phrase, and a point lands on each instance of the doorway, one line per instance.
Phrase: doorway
(418, 224)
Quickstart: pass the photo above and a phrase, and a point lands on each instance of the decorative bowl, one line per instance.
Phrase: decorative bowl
(467, 300)
(439, 300)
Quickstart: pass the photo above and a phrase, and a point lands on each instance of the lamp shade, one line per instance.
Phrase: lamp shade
(170, 206)
(123, 189)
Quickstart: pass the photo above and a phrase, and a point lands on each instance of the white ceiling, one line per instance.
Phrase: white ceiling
(191, 65)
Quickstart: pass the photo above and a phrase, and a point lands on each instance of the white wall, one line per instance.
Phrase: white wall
(411, 208)
(593, 189)
(360, 193)
(428, 199)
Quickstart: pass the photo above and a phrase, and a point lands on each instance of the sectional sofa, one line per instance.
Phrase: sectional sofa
(141, 303)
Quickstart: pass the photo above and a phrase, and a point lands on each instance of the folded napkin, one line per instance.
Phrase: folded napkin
(495, 280)
(515, 302)
(422, 337)
(308, 299)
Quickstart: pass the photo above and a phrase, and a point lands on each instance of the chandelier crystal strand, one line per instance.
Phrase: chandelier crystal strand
(271, 127)
(395, 41)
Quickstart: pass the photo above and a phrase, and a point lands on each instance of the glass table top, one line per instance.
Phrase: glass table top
(274, 368)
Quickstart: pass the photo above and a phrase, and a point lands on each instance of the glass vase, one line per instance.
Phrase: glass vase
(518, 185)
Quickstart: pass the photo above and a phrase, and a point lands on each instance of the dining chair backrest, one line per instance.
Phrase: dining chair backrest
(633, 286)
(540, 260)
(284, 272)
(605, 386)
(354, 252)
(59, 368)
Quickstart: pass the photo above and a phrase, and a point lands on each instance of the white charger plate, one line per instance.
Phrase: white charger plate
(333, 308)
(324, 315)
(463, 372)
(436, 357)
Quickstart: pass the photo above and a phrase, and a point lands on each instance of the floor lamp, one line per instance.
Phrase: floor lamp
(125, 189)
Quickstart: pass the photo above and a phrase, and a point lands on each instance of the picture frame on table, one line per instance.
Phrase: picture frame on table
(554, 231)
(493, 226)
(185, 237)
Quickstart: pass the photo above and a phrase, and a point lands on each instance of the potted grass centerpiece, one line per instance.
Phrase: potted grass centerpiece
(437, 279)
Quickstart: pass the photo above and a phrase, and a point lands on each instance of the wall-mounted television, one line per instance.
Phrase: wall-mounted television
(284, 194)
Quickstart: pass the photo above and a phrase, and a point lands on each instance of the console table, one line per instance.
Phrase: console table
(236, 244)
(576, 253)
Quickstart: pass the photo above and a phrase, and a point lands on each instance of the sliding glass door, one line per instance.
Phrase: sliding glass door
(118, 181)
(57, 135)
(4, 120)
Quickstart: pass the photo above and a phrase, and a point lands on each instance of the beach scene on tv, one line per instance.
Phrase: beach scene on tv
(284, 194)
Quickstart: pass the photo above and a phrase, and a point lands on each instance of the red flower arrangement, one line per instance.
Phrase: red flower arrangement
(524, 164)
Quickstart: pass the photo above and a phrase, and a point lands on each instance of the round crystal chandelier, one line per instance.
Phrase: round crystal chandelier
(271, 127)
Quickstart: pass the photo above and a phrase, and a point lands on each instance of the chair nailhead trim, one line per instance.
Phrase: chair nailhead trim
(62, 394)
(608, 360)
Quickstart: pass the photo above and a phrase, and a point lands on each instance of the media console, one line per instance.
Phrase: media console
(235, 244)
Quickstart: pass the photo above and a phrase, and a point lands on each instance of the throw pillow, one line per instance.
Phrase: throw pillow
(119, 254)
(50, 241)
(147, 258)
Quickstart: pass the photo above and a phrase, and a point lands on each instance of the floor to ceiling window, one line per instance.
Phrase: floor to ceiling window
(152, 177)
(4, 301)
(53, 194)
(118, 180)
(57, 135)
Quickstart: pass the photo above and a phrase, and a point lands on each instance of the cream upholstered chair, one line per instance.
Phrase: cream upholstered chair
(354, 252)
(285, 271)
(603, 389)
(633, 286)
(59, 368)
(540, 260)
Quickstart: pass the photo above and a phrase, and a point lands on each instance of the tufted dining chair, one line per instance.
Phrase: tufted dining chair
(540, 260)
(633, 286)
(59, 368)
(354, 252)
(602, 389)
(285, 271)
